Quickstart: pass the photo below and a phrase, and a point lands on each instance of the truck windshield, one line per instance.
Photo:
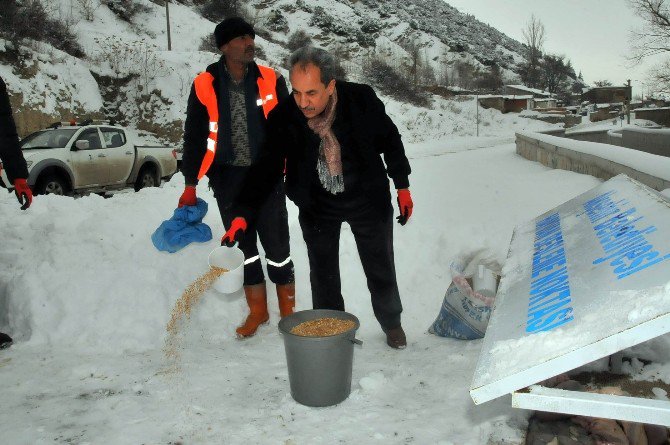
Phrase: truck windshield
(48, 139)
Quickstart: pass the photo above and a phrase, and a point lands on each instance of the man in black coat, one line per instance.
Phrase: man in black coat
(329, 141)
(223, 136)
(13, 162)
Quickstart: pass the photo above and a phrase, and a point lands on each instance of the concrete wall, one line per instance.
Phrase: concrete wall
(557, 156)
(654, 141)
(560, 132)
(661, 115)
(591, 136)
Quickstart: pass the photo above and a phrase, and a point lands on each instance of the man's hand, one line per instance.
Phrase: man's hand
(405, 205)
(23, 193)
(188, 198)
(235, 233)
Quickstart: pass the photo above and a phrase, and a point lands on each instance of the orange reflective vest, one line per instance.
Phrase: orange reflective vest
(204, 90)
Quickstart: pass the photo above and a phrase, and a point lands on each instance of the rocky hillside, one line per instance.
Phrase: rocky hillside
(109, 58)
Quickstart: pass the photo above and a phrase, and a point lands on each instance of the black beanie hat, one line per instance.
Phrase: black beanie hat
(230, 28)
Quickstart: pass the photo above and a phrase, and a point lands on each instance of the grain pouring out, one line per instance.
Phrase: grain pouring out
(183, 307)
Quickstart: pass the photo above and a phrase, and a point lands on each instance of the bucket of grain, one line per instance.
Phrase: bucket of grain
(231, 259)
(319, 347)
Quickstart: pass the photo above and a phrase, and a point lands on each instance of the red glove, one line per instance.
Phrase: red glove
(23, 193)
(235, 233)
(188, 198)
(405, 205)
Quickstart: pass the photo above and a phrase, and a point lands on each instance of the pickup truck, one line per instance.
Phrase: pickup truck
(70, 158)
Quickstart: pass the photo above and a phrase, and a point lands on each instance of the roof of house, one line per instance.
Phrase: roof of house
(504, 96)
(530, 90)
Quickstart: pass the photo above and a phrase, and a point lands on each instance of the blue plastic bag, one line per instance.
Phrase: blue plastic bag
(183, 228)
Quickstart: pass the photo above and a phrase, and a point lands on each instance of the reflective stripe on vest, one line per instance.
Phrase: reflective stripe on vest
(204, 90)
(267, 89)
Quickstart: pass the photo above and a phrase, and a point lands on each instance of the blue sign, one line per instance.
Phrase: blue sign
(582, 281)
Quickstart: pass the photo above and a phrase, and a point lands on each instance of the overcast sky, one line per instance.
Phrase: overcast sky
(593, 34)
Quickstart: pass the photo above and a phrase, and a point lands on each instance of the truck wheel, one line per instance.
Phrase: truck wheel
(52, 185)
(146, 178)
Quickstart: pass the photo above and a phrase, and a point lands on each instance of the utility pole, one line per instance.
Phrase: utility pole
(167, 18)
(630, 95)
(477, 100)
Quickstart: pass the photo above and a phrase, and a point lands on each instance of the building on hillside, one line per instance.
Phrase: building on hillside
(539, 98)
(607, 95)
(524, 90)
(575, 99)
(448, 91)
(506, 103)
(548, 102)
(605, 111)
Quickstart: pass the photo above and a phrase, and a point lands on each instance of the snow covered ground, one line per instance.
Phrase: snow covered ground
(88, 298)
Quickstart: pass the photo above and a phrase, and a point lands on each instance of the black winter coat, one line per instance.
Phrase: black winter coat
(196, 127)
(10, 151)
(365, 133)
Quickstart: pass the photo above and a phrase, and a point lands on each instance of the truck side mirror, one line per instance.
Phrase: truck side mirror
(81, 144)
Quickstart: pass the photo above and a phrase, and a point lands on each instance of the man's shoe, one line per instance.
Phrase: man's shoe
(5, 341)
(395, 338)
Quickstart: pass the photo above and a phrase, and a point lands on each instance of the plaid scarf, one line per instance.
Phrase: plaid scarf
(329, 165)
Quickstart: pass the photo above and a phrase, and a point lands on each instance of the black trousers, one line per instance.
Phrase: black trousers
(271, 227)
(373, 233)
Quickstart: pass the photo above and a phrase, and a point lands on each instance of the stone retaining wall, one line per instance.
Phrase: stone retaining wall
(555, 155)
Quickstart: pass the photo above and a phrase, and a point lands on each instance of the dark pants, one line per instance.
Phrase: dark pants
(271, 227)
(373, 233)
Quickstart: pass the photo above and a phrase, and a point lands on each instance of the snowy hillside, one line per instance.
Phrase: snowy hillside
(127, 73)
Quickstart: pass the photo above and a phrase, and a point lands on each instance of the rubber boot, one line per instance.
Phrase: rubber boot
(286, 297)
(257, 300)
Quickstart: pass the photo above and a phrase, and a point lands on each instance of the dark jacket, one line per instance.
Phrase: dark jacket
(196, 129)
(10, 151)
(365, 133)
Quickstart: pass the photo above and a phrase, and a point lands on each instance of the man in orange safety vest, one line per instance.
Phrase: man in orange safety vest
(224, 135)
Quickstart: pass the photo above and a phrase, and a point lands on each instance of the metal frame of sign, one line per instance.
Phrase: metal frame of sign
(634, 409)
(581, 282)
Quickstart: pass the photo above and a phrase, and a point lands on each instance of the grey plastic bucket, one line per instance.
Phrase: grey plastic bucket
(319, 368)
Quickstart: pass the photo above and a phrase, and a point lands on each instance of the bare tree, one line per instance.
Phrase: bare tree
(534, 35)
(88, 8)
(466, 73)
(654, 37)
(659, 81)
(413, 49)
(602, 83)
